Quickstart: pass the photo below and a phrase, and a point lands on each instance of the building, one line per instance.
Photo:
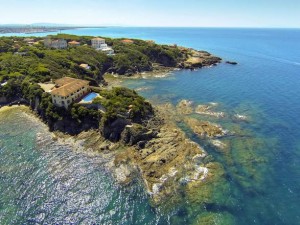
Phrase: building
(97, 42)
(73, 43)
(68, 90)
(85, 66)
(58, 44)
(127, 41)
(106, 49)
(100, 45)
(29, 40)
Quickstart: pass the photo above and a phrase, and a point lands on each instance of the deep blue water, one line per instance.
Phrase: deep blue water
(265, 86)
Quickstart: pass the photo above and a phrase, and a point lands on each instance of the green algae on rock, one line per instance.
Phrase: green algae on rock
(209, 218)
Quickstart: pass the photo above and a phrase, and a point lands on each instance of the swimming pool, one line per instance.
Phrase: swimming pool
(90, 97)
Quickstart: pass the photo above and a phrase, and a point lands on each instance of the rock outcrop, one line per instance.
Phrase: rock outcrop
(231, 62)
(207, 110)
(113, 128)
(136, 134)
(168, 158)
(198, 59)
(185, 107)
(204, 128)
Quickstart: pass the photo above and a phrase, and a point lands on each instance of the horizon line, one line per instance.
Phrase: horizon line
(138, 26)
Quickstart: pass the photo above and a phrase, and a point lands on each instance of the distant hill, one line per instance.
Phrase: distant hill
(38, 25)
(53, 25)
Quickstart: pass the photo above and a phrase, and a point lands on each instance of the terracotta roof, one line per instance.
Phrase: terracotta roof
(28, 39)
(74, 43)
(68, 85)
(59, 40)
(98, 39)
(63, 81)
(127, 41)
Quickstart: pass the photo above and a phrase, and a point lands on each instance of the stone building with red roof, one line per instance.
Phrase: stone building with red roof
(67, 90)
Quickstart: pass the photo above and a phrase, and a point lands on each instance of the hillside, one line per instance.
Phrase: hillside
(20, 60)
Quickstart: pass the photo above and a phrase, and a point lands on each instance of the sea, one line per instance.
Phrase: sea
(45, 182)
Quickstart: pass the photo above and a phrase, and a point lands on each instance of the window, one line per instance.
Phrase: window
(62, 102)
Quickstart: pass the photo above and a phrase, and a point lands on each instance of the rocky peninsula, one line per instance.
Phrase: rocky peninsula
(142, 141)
(159, 152)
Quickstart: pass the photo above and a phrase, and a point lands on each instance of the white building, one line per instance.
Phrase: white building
(100, 45)
(108, 51)
(85, 66)
(58, 44)
(97, 42)
(67, 90)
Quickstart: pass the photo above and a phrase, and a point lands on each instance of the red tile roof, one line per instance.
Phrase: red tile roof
(98, 39)
(68, 85)
(127, 41)
(74, 43)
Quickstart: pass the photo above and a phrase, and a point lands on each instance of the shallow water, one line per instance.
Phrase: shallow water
(49, 183)
(44, 182)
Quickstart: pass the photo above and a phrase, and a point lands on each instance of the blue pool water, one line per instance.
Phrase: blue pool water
(42, 184)
(90, 97)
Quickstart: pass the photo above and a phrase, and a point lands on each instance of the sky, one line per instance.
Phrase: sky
(157, 13)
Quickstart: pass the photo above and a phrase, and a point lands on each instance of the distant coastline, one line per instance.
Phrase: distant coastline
(33, 29)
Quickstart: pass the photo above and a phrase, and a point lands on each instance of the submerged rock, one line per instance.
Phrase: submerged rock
(123, 174)
(240, 117)
(206, 110)
(185, 107)
(231, 62)
(219, 144)
(204, 128)
(211, 218)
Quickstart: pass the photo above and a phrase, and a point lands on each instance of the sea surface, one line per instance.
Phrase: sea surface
(43, 182)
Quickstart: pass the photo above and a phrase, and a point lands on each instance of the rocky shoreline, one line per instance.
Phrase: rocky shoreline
(174, 169)
(161, 153)
(192, 60)
(167, 162)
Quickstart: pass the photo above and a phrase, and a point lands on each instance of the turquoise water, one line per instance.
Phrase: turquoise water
(90, 97)
(51, 184)
(44, 182)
